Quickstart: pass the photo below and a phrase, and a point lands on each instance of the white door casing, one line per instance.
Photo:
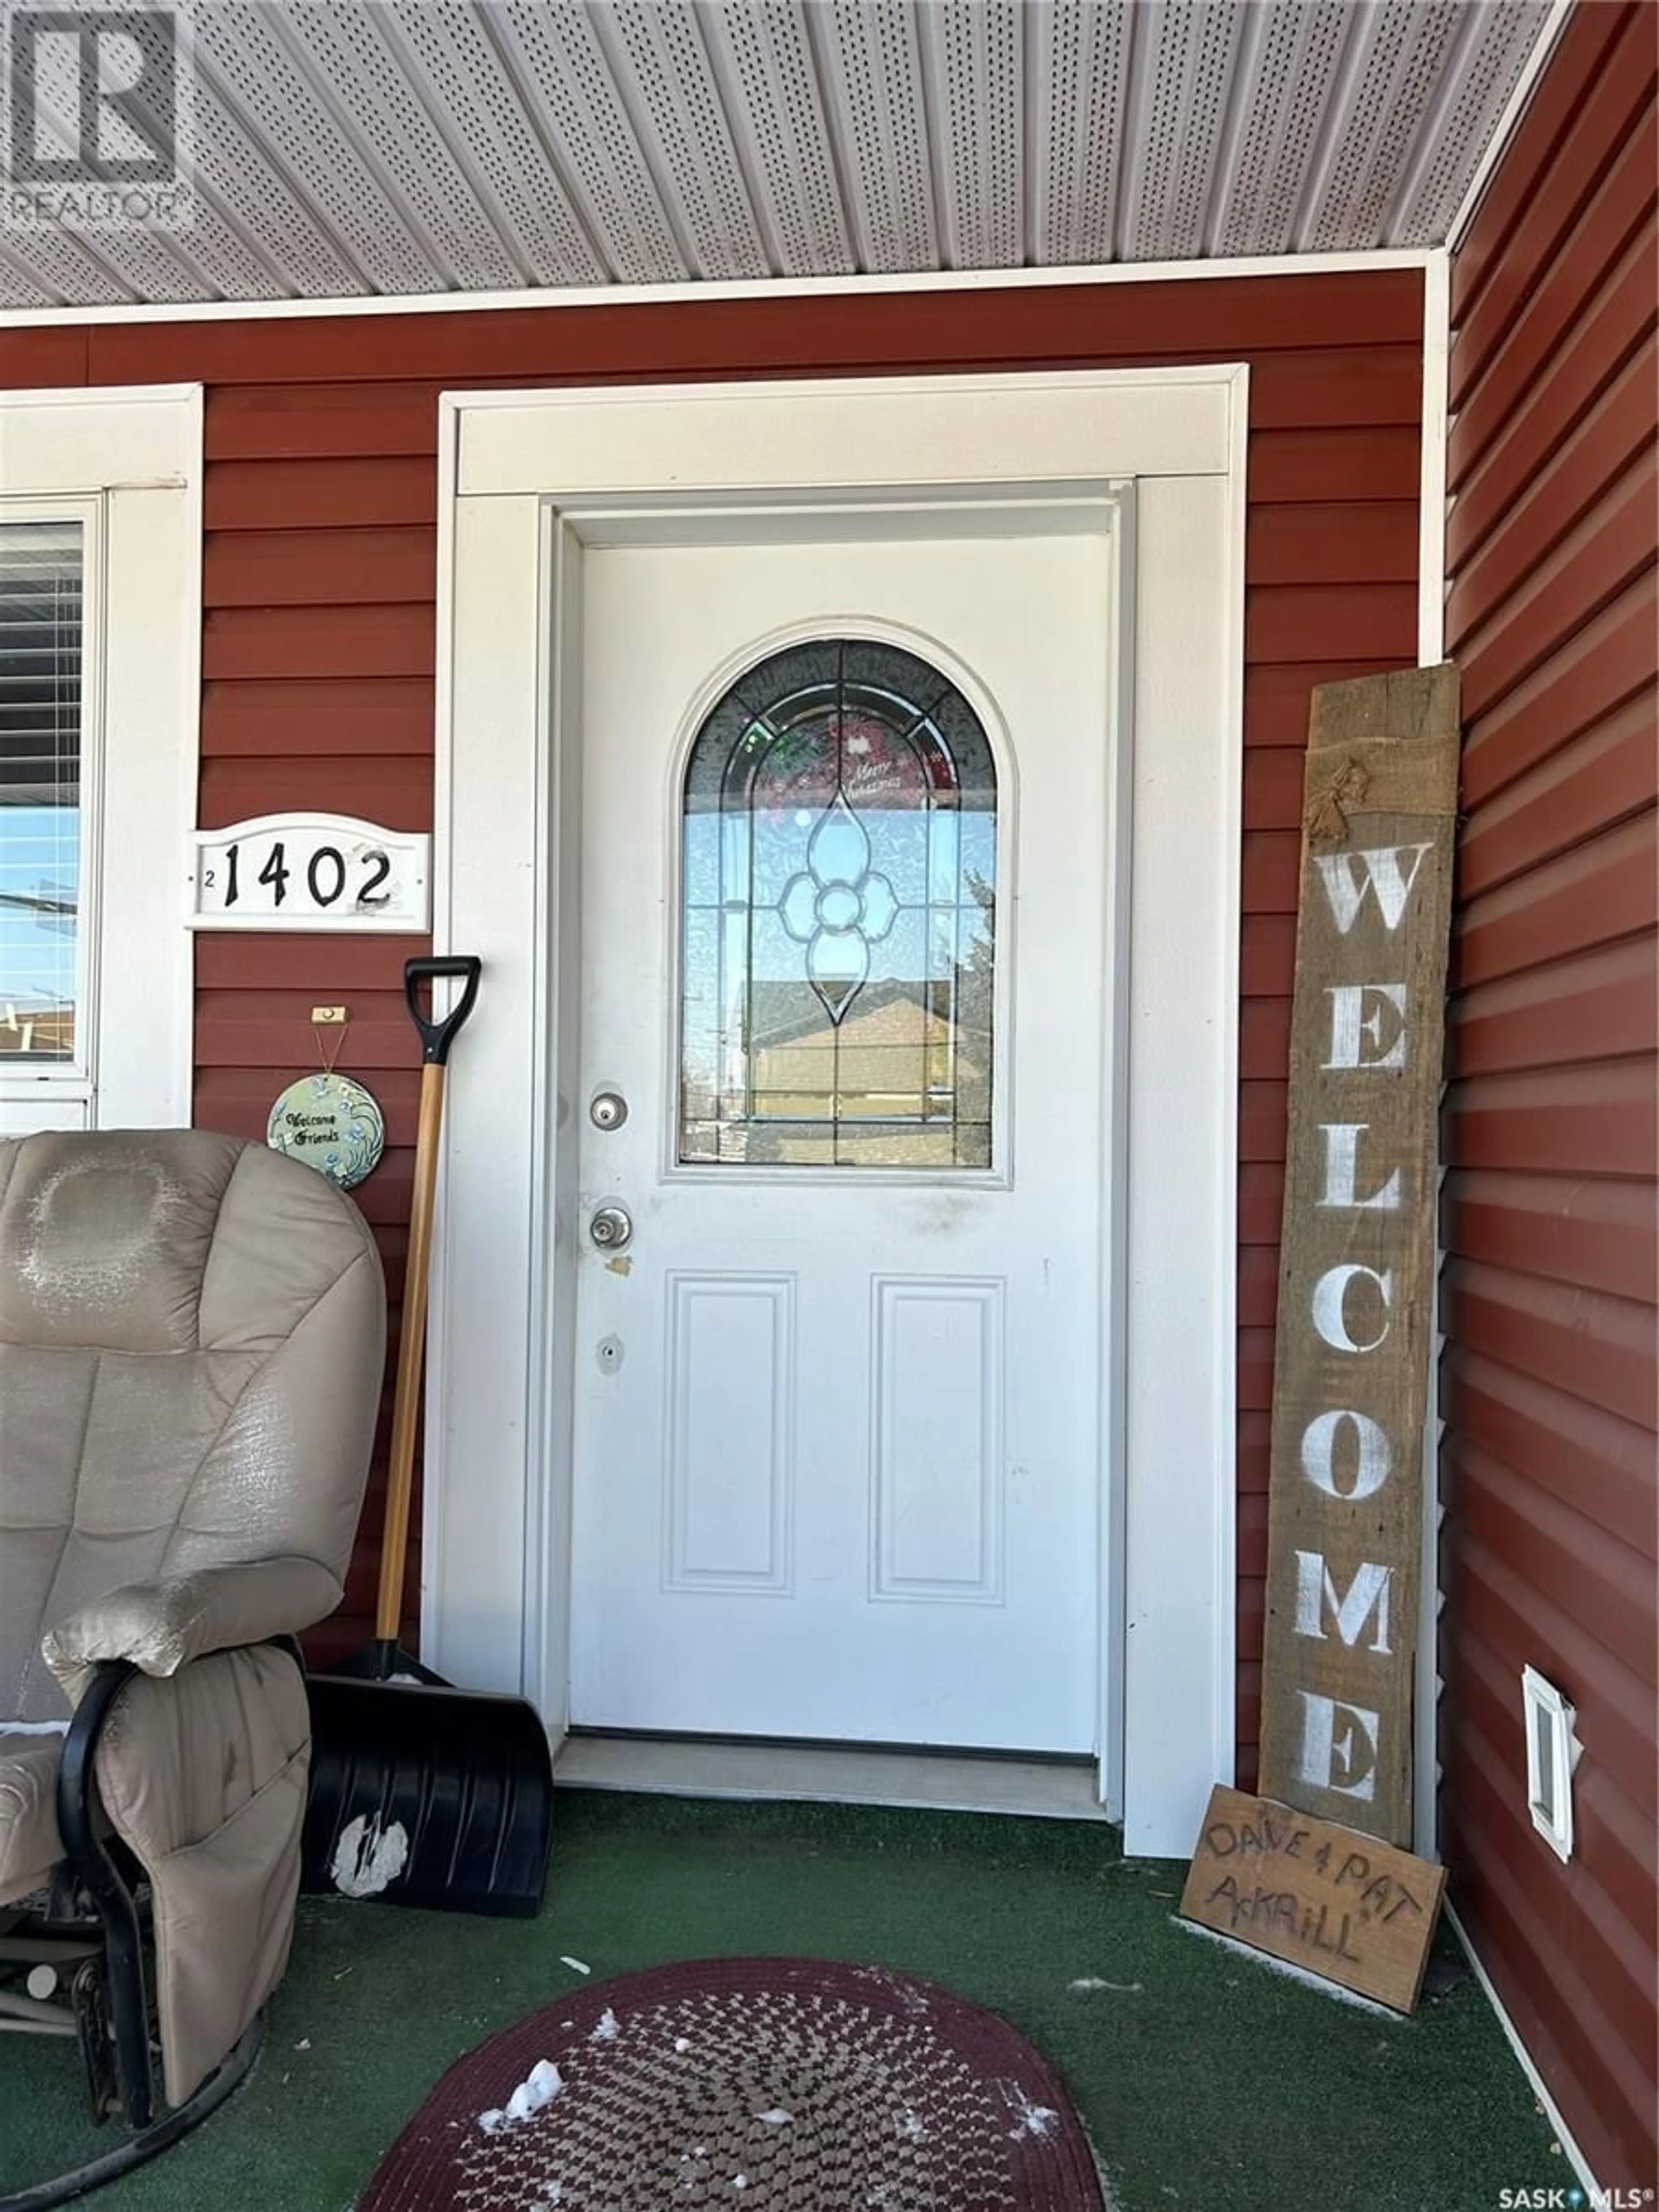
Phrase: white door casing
(838, 1469)
(125, 463)
(531, 484)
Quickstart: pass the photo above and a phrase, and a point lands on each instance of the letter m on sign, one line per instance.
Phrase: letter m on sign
(1350, 1375)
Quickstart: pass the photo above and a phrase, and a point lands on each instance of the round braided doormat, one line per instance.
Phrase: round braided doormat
(774, 2085)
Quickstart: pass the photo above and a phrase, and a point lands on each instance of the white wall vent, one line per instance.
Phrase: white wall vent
(1552, 1752)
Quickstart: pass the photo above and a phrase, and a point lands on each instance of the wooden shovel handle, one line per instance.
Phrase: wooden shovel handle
(411, 1347)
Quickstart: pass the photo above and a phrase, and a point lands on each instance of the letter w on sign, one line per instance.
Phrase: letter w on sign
(1351, 1374)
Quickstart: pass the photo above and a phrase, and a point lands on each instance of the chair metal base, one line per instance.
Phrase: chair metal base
(62, 2188)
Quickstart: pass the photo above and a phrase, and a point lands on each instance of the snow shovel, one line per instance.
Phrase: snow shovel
(422, 1794)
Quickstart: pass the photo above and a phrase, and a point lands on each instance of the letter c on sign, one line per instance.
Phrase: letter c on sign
(1330, 1300)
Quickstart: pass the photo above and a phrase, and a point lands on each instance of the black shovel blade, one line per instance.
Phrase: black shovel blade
(427, 1796)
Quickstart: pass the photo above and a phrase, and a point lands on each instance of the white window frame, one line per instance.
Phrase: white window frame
(63, 1087)
(126, 462)
(1552, 1753)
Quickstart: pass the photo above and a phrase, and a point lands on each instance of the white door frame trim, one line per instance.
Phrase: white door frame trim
(128, 459)
(524, 478)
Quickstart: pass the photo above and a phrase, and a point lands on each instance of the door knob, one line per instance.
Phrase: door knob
(611, 1227)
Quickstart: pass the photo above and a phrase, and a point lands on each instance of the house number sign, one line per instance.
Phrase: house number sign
(1354, 1334)
(312, 871)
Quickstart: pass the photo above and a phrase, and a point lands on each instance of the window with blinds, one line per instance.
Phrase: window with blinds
(41, 626)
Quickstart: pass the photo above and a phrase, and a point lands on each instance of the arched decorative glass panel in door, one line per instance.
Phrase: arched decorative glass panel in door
(839, 926)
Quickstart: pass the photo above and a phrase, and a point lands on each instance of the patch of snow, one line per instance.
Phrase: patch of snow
(33, 1727)
(1284, 1966)
(912, 2128)
(414, 1681)
(608, 2029)
(1085, 1983)
(1030, 2119)
(539, 2086)
(682, 2043)
(369, 1858)
(576, 1965)
(304, 2044)
(740, 2181)
(777, 2118)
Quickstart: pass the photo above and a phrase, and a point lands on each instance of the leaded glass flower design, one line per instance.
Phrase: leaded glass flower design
(839, 917)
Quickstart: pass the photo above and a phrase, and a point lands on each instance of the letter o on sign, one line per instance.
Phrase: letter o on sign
(1373, 1454)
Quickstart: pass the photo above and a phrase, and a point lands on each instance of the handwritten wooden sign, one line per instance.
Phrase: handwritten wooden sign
(1345, 1524)
(1323, 1896)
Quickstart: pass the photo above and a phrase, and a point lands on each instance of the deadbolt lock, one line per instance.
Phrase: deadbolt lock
(607, 1110)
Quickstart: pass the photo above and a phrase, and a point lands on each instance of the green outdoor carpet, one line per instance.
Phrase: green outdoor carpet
(1206, 2081)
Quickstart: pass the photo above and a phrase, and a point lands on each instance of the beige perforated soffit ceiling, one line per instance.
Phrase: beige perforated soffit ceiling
(407, 147)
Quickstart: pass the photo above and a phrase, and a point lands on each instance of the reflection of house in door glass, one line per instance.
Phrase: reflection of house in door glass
(839, 945)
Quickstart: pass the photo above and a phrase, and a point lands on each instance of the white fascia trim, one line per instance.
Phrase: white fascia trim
(764, 288)
(1431, 650)
(98, 395)
(1432, 496)
(1224, 1565)
(1510, 121)
(1562, 2132)
(181, 1042)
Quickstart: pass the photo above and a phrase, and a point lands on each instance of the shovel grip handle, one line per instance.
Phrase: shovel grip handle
(436, 1037)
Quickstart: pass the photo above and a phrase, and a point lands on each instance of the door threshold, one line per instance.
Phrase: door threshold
(930, 1781)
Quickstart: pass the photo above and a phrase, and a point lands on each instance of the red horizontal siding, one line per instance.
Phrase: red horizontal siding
(1229, 319)
(1596, 1232)
(1494, 470)
(1603, 777)
(1363, 542)
(1325, 465)
(293, 717)
(1551, 1211)
(1594, 1461)
(1603, 890)
(1504, 639)
(364, 566)
(319, 641)
(1542, 1018)
(1557, 1121)
(1613, 657)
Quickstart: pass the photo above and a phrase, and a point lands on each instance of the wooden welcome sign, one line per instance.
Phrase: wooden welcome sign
(1345, 1526)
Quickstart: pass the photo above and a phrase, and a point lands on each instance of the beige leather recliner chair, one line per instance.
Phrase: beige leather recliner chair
(191, 1340)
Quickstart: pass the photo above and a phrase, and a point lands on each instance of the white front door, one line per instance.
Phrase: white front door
(838, 1401)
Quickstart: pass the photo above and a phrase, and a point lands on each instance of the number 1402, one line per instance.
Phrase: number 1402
(325, 877)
